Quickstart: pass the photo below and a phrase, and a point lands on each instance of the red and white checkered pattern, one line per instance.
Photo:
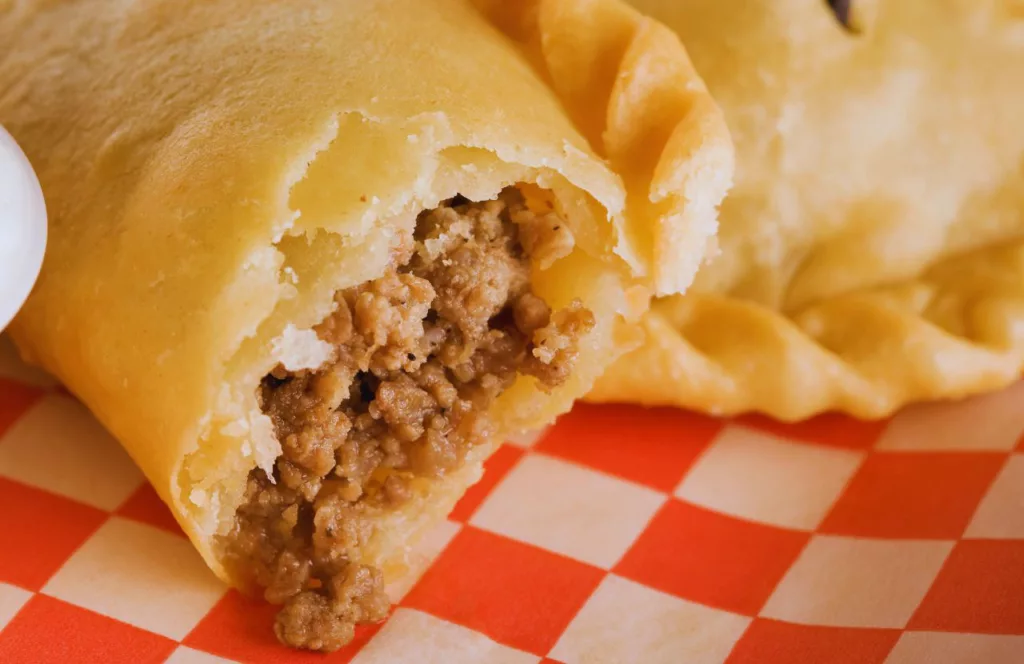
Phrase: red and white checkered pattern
(619, 535)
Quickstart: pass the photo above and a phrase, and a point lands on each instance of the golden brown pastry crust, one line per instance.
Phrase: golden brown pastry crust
(216, 171)
(871, 248)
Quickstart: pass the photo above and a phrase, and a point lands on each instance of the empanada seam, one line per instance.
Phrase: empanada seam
(868, 352)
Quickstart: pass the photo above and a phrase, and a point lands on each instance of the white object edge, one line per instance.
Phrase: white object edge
(22, 228)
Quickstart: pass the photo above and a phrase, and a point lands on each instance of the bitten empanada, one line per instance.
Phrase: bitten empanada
(310, 261)
(872, 249)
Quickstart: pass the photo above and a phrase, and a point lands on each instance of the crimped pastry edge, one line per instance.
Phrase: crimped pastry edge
(955, 331)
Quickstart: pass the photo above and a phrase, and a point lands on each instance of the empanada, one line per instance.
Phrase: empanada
(311, 260)
(871, 251)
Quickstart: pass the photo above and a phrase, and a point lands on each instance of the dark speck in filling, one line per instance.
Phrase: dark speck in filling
(365, 390)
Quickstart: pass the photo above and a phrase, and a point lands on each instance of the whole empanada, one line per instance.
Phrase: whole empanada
(871, 252)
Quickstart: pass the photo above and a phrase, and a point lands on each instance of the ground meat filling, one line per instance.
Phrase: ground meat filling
(421, 354)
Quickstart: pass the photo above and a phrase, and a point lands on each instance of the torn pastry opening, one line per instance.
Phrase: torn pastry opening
(420, 354)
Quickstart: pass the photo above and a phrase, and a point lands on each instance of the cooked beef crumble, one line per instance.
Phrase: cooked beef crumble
(421, 354)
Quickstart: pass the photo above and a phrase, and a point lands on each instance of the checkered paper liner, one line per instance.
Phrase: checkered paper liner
(619, 535)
